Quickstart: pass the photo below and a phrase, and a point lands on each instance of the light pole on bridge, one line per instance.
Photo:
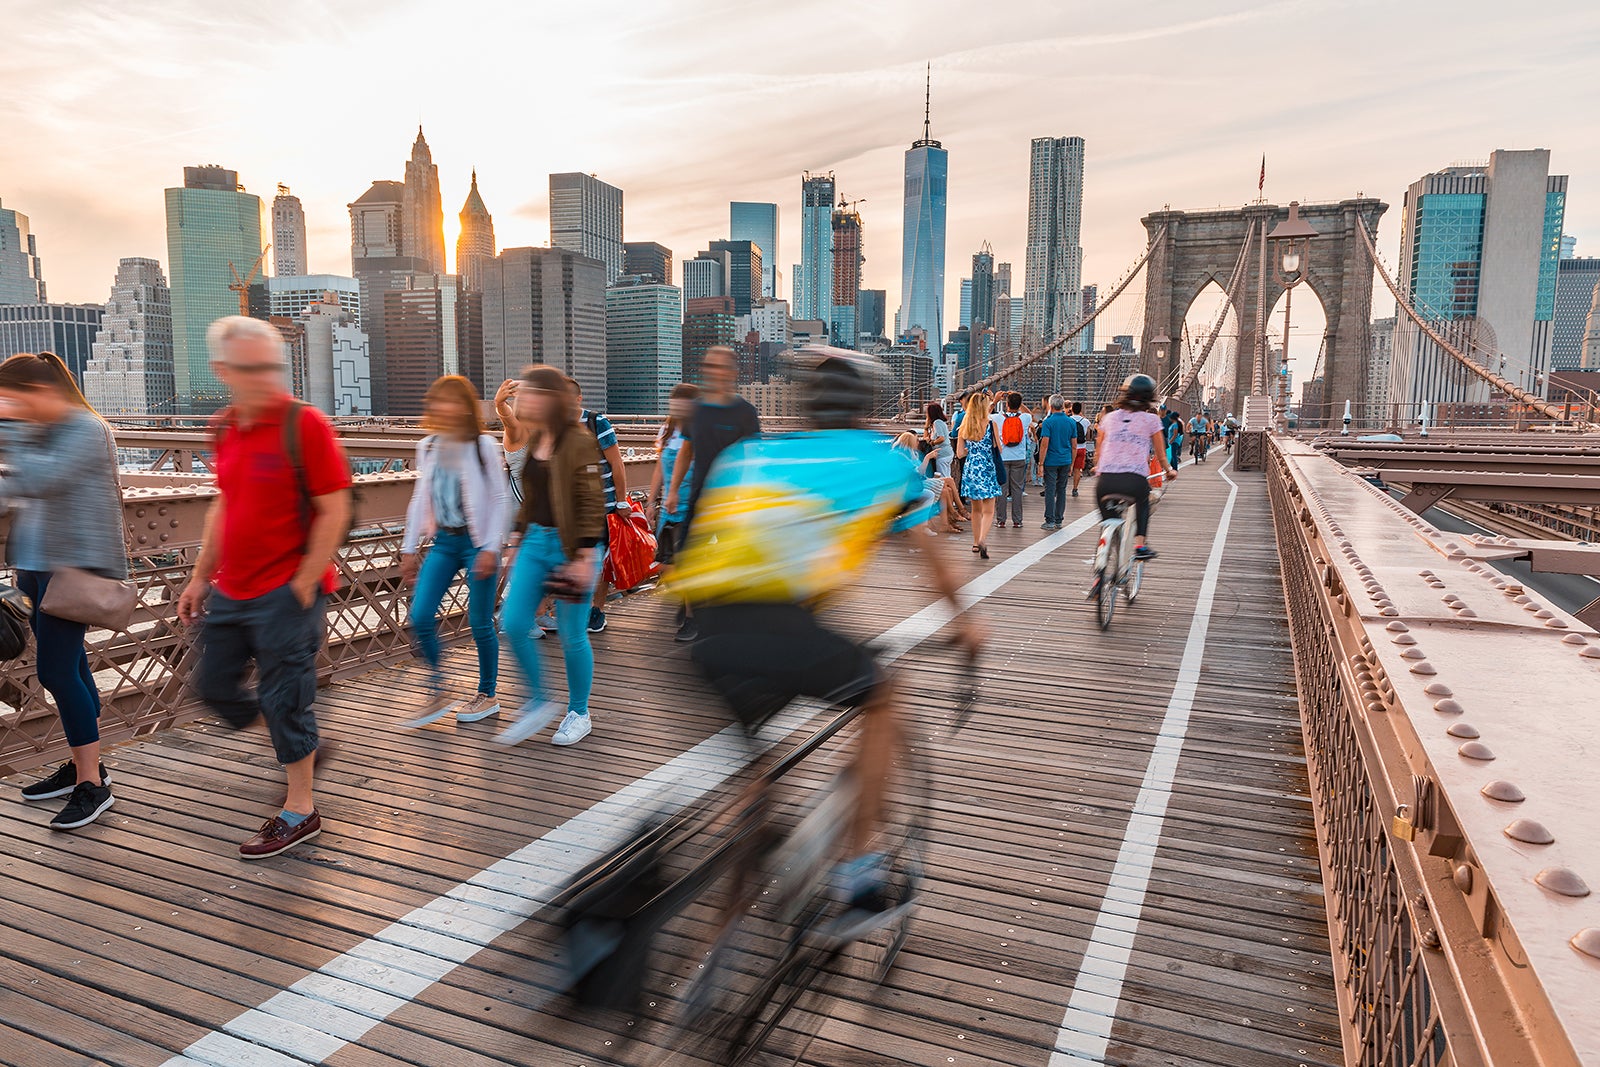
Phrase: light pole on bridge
(1291, 242)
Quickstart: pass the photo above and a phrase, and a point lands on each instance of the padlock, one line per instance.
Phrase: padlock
(1402, 827)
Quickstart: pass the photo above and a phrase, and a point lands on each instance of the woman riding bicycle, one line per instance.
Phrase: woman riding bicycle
(1128, 436)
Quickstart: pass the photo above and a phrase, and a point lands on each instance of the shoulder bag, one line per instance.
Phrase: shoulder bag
(82, 596)
(14, 611)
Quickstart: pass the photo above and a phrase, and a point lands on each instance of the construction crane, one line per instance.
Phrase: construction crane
(242, 285)
(850, 205)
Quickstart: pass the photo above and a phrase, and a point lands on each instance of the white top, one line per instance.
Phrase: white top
(485, 497)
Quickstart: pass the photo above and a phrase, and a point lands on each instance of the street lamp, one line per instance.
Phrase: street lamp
(1291, 244)
(1160, 342)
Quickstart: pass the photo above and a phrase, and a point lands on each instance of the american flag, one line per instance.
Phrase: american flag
(1261, 185)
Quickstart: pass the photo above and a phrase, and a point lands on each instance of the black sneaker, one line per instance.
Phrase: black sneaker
(688, 631)
(1145, 552)
(60, 783)
(87, 804)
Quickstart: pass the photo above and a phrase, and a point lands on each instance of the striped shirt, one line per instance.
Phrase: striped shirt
(606, 437)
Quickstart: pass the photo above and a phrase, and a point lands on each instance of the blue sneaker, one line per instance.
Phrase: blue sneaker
(597, 620)
(545, 622)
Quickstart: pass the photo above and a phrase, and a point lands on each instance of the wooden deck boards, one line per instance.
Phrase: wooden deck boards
(125, 942)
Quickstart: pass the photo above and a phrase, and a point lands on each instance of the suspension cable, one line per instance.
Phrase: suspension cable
(1537, 403)
(1192, 372)
(1028, 361)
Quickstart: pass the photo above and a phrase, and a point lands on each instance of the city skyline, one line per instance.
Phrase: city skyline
(1191, 139)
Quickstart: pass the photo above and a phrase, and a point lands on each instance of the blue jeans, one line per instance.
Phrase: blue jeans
(1056, 480)
(63, 664)
(541, 554)
(451, 554)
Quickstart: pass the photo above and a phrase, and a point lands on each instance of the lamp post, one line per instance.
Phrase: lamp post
(1291, 246)
(1160, 342)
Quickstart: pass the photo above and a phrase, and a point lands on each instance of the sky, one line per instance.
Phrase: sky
(688, 104)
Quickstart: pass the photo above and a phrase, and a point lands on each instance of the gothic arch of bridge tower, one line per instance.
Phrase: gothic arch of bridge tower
(1191, 249)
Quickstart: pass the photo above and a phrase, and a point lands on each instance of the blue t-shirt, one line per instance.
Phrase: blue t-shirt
(669, 460)
(1059, 431)
(792, 517)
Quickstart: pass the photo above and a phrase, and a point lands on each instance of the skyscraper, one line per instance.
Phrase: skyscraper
(545, 305)
(646, 259)
(422, 217)
(758, 223)
(1576, 279)
(983, 291)
(744, 274)
(1480, 248)
(922, 255)
(708, 274)
(68, 330)
(21, 281)
(1053, 284)
(338, 368)
(871, 313)
(422, 328)
(377, 235)
(477, 235)
(1089, 303)
(707, 322)
(644, 345)
(214, 227)
(813, 279)
(586, 217)
(848, 255)
(130, 364)
(291, 297)
(288, 234)
(1380, 357)
(965, 322)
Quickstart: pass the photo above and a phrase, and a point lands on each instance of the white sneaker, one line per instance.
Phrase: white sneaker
(574, 728)
(479, 707)
(532, 717)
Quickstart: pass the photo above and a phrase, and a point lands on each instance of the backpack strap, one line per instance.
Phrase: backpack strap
(292, 449)
(593, 421)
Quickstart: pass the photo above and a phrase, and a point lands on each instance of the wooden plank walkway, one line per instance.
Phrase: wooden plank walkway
(129, 941)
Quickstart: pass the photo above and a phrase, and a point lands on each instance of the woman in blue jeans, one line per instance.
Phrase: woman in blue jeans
(561, 525)
(461, 500)
(62, 479)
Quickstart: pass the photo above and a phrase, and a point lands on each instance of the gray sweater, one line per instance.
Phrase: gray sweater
(58, 482)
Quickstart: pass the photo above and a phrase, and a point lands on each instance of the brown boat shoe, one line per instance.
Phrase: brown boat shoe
(276, 836)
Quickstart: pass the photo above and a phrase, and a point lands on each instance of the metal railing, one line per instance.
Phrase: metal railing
(1429, 968)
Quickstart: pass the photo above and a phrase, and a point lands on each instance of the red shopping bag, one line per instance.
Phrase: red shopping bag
(631, 556)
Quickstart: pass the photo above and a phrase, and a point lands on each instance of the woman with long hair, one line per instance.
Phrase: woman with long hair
(936, 435)
(62, 471)
(461, 500)
(980, 479)
(558, 531)
(942, 489)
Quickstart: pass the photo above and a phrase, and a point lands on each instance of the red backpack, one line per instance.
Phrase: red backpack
(1011, 430)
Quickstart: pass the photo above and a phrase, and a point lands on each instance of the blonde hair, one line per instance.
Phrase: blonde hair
(976, 421)
(43, 371)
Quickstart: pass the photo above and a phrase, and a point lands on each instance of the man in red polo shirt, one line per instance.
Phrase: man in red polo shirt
(265, 565)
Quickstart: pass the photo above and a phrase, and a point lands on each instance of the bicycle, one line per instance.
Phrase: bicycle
(1199, 446)
(1115, 564)
(782, 939)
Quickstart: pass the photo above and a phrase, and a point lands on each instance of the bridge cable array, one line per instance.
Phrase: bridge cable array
(1191, 373)
(1029, 360)
(1536, 403)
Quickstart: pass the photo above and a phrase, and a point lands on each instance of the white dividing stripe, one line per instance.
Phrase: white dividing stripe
(338, 1004)
(1086, 1029)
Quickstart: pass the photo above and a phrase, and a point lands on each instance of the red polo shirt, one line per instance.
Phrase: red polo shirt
(263, 534)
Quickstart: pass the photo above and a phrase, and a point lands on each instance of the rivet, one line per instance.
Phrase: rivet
(1554, 624)
(1467, 613)
(1542, 613)
(1587, 941)
(1517, 595)
(1562, 880)
(1476, 750)
(1397, 627)
(1529, 832)
(1423, 667)
(1388, 612)
(1463, 878)
(1503, 791)
(1403, 639)
(1413, 653)
(1447, 707)
(1574, 639)
(1465, 731)
(1590, 653)
(1438, 689)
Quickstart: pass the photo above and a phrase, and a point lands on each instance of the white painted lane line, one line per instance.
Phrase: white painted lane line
(341, 1002)
(1085, 1031)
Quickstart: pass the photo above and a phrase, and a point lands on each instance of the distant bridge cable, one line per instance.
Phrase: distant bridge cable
(1191, 373)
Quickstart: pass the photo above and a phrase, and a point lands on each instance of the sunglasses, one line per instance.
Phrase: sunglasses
(254, 368)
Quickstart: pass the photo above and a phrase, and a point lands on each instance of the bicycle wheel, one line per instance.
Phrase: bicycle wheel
(1105, 604)
(1130, 588)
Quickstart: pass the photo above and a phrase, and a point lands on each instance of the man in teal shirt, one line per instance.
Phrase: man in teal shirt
(1058, 437)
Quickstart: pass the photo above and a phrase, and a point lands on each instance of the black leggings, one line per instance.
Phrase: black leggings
(1120, 483)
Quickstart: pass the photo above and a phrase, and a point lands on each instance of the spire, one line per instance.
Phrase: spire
(927, 105)
(474, 205)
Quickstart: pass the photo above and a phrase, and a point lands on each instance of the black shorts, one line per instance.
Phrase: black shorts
(759, 657)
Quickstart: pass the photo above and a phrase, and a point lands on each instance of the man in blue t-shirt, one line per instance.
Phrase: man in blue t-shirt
(614, 476)
(1058, 440)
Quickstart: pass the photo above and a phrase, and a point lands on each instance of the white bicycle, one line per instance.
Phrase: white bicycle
(1116, 567)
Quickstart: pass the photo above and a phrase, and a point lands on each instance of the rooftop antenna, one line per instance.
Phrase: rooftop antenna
(927, 103)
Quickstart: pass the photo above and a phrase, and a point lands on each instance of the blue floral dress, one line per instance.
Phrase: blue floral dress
(978, 478)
